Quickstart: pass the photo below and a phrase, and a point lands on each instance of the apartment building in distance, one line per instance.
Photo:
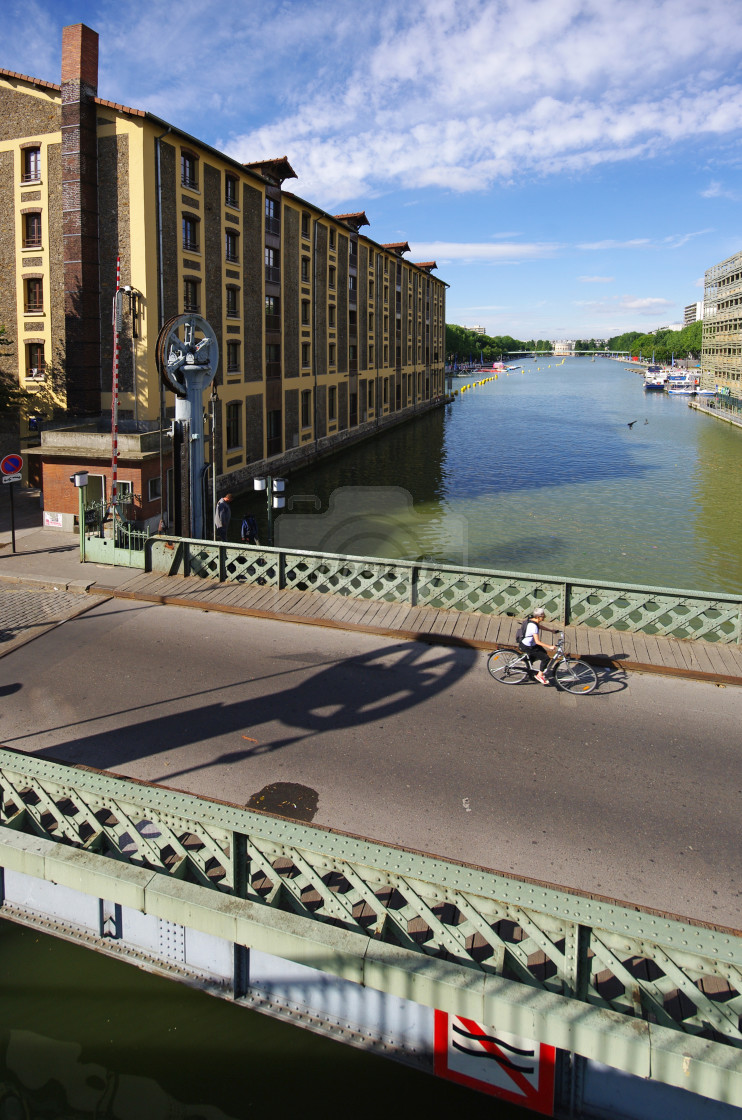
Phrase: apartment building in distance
(325, 336)
(693, 312)
(721, 357)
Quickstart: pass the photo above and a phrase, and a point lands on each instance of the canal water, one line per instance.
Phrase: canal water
(84, 1036)
(559, 469)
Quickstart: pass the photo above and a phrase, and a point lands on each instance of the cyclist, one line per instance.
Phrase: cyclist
(538, 652)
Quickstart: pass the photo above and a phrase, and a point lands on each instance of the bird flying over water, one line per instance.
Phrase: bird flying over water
(631, 423)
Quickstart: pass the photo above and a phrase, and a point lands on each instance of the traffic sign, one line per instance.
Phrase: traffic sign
(11, 464)
(12, 477)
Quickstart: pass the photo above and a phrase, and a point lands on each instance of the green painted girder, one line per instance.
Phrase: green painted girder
(631, 961)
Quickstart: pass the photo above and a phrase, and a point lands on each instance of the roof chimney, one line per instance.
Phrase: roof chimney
(80, 58)
(80, 218)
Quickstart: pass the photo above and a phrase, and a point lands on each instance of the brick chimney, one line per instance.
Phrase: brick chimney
(80, 219)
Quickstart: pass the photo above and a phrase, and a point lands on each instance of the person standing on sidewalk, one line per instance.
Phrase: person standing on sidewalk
(222, 517)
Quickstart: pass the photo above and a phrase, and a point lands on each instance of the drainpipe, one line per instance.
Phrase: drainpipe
(161, 298)
(314, 336)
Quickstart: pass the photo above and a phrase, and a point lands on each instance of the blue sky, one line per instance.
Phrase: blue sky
(572, 165)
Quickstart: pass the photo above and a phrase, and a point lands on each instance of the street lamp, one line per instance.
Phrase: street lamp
(275, 496)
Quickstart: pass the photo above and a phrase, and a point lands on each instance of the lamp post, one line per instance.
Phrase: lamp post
(80, 480)
(275, 495)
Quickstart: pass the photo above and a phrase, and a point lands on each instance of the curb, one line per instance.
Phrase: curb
(77, 586)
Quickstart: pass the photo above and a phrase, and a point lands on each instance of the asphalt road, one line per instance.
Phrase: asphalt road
(633, 792)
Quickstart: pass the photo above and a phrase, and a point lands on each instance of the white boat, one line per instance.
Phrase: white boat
(705, 392)
(654, 380)
(685, 391)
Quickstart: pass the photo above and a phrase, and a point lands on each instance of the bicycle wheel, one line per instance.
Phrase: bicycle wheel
(575, 676)
(506, 666)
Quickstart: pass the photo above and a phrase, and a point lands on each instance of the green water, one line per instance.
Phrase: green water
(85, 1036)
(539, 472)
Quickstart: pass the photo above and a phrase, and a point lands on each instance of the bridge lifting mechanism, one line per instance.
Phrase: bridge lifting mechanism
(187, 360)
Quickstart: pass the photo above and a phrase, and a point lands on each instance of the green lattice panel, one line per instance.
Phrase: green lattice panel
(490, 594)
(251, 566)
(203, 562)
(647, 612)
(360, 579)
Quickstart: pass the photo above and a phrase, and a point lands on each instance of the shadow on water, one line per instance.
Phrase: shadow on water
(96, 1039)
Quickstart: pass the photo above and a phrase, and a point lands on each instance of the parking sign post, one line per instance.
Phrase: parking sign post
(10, 468)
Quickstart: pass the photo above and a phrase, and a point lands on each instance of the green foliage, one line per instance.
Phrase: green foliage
(461, 343)
(47, 398)
(663, 344)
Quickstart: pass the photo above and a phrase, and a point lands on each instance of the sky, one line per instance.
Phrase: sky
(573, 166)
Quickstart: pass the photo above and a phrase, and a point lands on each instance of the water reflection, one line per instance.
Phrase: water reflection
(86, 1037)
(550, 478)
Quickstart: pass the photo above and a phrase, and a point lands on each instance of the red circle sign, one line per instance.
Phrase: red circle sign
(11, 464)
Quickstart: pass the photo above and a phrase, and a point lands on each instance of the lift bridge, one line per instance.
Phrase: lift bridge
(560, 1001)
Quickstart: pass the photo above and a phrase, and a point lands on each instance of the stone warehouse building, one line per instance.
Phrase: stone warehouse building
(325, 336)
(721, 359)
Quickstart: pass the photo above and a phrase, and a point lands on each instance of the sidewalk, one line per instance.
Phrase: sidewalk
(49, 559)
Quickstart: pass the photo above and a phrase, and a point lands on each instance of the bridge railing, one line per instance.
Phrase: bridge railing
(606, 956)
(664, 611)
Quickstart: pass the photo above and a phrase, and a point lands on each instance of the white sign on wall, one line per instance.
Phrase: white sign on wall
(52, 520)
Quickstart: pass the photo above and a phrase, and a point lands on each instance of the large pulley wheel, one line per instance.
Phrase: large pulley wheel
(185, 342)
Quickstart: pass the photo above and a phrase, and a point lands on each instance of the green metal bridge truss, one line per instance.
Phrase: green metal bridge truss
(663, 611)
(649, 993)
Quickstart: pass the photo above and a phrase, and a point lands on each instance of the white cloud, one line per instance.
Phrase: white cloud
(365, 99)
(595, 279)
(716, 190)
(634, 243)
(637, 305)
(482, 251)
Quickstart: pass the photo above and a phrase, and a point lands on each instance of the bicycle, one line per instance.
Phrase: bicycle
(572, 675)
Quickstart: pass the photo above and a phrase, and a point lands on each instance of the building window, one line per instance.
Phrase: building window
(34, 295)
(370, 258)
(370, 320)
(352, 317)
(31, 165)
(233, 357)
(331, 313)
(35, 364)
(188, 170)
(154, 489)
(371, 354)
(386, 293)
(332, 403)
(272, 313)
(190, 295)
(332, 239)
(386, 324)
(305, 312)
(386, 390)
(272, 270)
(31, 231)
(370, 394)
(386, 265)
(305, 225)
(273, 359)
(230, 190)
(332, 276)
(306, 408)
(190, 233)
(331, 353)
(353, 355)
(352, 283)
(231, 243)
(305, 269)
(305, 353)
(386, 355)
(234, 426)
(272, 223)
(371, 289)
(233, 302)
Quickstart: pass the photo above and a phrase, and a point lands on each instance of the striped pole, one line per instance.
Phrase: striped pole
(115, 387)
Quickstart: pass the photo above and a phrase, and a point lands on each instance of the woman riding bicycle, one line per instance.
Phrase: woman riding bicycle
(538, 652)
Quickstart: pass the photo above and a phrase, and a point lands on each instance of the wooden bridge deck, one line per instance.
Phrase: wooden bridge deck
(692, 659)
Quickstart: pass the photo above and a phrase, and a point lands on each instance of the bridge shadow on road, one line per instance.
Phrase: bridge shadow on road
(304, 700)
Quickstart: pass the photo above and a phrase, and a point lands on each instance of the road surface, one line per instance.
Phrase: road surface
(633, 792)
